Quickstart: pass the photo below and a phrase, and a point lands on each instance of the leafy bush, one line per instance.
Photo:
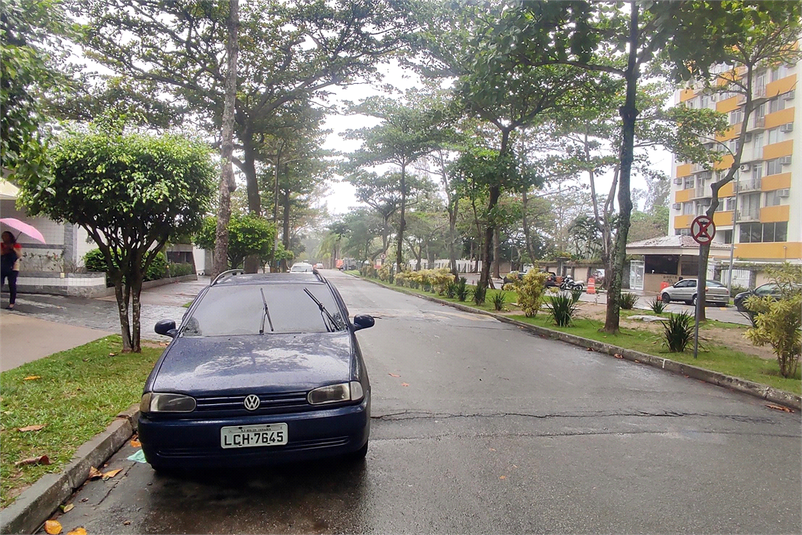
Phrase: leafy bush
(451, 289)
(479, 294)
(530, 292)
(576, 295)
(562, 308)
(498, 299)
(385, 273)
(401, 279)
(179, 269)
(462, 290)
(367, 270)
(657, 306)
(628, 300)
(678, 332)
(95, 262)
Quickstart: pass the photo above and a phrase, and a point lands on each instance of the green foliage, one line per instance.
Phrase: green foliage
(385, 273)
(657, 306)
(777, 322)
(530, 292)
(451, 289)
(95, 261)
(461, 290)
(367, 270)
(247, 235)
(180, 269)
(479, 294)
(628, 300)
(576, 295)
(678, 332)
(498, 299)
(562, 309)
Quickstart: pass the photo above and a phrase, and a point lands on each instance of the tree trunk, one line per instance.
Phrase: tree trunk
(122, 310)
(628, 115)
(524, 221)
(496, 254)
(452, 238)
(285, 226)
(136, 306)
(495, 194)
(402, 224)
(227, 184)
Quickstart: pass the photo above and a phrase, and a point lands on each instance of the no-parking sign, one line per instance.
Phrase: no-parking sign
(703, 230)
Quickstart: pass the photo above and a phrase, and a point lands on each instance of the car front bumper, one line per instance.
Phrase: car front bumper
(195, 442)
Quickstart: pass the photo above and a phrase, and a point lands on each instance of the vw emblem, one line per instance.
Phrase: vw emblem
(251, 402)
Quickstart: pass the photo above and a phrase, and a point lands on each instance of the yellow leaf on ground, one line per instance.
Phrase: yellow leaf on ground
(32, 377)
(393, 375)
(52, 527)
(404, 384)
(94, 473)
(67, 508)
(779, 408)
(31, 428)
(77, 531)
(111, 473)
(502, 477)
(42, 459)
(135, 443)
(618, 356)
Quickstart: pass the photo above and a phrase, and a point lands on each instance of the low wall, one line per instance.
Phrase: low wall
(78, 284)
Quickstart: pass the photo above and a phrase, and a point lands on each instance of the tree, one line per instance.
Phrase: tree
(249, 235)
(31, 34)
(408, 132)
(130, 192)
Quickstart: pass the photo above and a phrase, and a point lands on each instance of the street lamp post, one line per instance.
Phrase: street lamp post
(732, 239)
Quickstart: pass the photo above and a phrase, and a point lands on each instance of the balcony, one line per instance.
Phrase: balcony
(751, 184)
(743, 216)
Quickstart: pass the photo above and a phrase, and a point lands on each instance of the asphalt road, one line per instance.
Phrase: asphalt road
(480, 427)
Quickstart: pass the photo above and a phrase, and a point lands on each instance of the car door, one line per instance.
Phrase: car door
(684, 290)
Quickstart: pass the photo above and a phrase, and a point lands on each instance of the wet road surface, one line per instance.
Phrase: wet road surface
(480, 427)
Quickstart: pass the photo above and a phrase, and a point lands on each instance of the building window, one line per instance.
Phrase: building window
(773, 198)
(687, 208)
(763, 232)
(729, 204)
(704, 101)
(776, 104)
(757, 172)
(757, 147)
(774, 167)
(727, 235)
(780, 71)
(688, 182)
(760, 111)
(736, 116)
(775, 136)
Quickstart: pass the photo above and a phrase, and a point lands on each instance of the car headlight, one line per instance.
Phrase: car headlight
(336, 393)
(156, 402)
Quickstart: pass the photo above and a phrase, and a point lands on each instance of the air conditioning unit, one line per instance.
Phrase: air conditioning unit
(676, 206)
(789, 127)
(789, 95)
(678, 181)
(746, 167)
(747, 138)
(784, 192)
(785, 160)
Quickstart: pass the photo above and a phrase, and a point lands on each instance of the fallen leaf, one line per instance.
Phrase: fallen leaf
(393, 375)
(111, 473)
(52, 527)
(112, 354)
(502, 477)
(492, 449)
(32, 377)
(779, 408)
(77, 531)
(618, 356)
(636, 360)
(127, 523)
(67, 508)
(94, 473)
(42, 459)
(589, 349)
(404, 384)
(135, 443)
(31, 428)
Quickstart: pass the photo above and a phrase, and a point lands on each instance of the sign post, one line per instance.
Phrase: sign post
(703, 231)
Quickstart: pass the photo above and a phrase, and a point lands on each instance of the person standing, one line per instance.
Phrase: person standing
(9, 264)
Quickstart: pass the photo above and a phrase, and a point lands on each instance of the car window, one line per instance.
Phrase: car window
(715, 284)
(685, 283)
(232, 310)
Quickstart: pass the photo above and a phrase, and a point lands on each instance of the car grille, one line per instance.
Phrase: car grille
(269, 403)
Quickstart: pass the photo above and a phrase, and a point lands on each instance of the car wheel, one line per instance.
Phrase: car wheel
(666, 298)
(693, 301)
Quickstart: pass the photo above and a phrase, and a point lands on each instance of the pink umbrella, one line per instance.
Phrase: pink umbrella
(23, 227)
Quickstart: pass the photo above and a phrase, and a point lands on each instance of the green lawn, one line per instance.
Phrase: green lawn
(78, 393)
(711, 357)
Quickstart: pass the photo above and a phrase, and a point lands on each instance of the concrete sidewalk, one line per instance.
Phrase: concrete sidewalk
(43, 324)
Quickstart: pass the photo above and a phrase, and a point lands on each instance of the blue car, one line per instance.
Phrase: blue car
(263, 369)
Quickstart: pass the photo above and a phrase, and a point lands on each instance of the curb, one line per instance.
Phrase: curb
(38, 502)
(768, 393)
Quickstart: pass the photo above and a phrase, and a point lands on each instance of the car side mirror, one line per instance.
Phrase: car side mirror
(166, 328)
(363, 321)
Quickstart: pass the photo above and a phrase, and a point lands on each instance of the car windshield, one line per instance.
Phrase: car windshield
(301, 268)
(232, 310)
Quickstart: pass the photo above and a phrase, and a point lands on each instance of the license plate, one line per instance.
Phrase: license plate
(253, 436)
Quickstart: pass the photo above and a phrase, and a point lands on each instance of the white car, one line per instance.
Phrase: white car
(685, 290)
(319, 265)
(301, 267)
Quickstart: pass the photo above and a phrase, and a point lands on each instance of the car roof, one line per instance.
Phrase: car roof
(269, 278)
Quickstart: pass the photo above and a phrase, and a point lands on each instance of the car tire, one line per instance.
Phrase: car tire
(693, 301)
(665, 298)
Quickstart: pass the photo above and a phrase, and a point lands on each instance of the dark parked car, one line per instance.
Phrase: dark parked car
(769, 289)
(263, 368)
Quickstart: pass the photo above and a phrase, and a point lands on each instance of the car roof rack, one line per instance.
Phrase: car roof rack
(227, 274)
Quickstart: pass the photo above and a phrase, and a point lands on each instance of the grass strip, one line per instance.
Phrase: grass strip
(75, 394)
(712, 357)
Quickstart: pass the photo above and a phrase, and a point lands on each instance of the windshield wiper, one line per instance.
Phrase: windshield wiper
(328, 320)
(265, 314)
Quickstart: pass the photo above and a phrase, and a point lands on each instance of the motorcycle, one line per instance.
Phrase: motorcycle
(568, 283)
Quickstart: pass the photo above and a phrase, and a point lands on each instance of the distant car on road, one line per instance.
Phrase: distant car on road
(319, 265)
(301, 267)
(769, 289)
(264, 368)
(685, 290)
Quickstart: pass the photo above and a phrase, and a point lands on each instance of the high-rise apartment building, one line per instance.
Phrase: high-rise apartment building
(760, 212)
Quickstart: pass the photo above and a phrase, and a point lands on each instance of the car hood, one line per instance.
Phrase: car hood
(267, 363)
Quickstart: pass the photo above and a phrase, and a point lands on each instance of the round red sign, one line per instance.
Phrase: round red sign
(703, 230)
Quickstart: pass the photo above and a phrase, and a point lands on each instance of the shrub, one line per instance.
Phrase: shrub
(367, 270)
(451, 289)
(461, 290)
(657, 306)
(385, 273)
(628, 300)
(179, 269)
(498, 299)
(576, 295)
(562, 308)
(441, 278)
(479, 294)
(678, 332)
(401, 279)
(530, 292)
(95, 262)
